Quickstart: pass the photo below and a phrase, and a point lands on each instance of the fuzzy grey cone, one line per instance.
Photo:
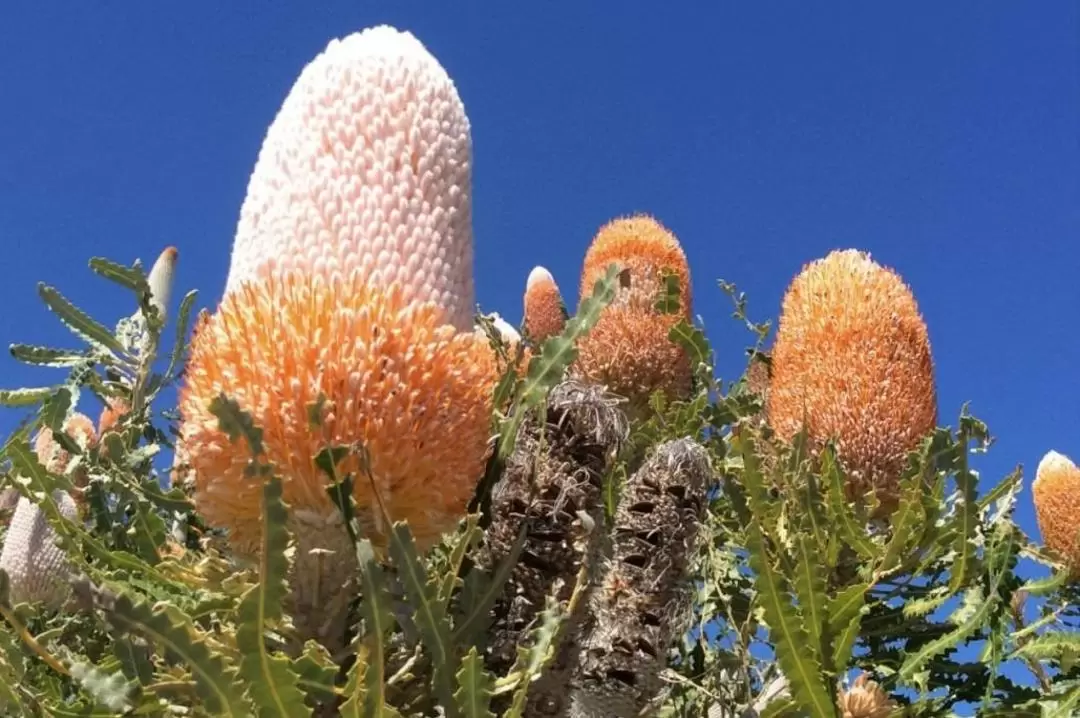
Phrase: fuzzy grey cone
(552, 484)
(644, 597)
(36, 566)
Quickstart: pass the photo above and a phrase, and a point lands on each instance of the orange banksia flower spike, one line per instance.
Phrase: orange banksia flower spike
(545, 311)
(1056, 495)
(629, 350)
(852, 357)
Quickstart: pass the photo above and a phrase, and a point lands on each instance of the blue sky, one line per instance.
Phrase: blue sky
(945, 139)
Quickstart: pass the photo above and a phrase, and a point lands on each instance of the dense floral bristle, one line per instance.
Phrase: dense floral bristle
(647, 249)
(629, 349)
(864, 699)
(51, 454)
(852, 357)
(1056, 495)
(545, 312)
(396, 378)
(366, 168)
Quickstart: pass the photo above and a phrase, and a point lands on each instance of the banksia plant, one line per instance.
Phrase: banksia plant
(1056, 495)
(347, 320)
(630, 350)
(544, 310)
(864, 699)
(851, 363)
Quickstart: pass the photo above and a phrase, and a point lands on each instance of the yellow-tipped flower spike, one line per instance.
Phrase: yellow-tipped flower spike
(545, 312)
(1056, 494)
(852, 357)
(628, 350)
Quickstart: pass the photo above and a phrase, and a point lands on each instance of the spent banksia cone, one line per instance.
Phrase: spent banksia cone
(545, 312)
(852, 358)
(1056, 494)
(864, 699)
(351, 281)
(628, 349)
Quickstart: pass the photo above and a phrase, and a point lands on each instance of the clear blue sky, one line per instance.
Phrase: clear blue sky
(945, 139)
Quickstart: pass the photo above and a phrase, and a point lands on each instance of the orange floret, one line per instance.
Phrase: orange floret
(629, 350)
(647, 249)
(111, 414)
(1056, 494)
(397, 379)
(852, 357)
(54, 457)
(545, 313)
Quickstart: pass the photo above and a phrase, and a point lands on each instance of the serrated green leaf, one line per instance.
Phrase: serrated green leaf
(1049, 646)
(271, 683)
(805, 680)
(377, 610)
(813, 599)
(215, 680)
(852, 531)
(133, 278)
(80, 323)
(429, 614)
(317, 672)
(47, 356)
(967, 517)
(474, 687)
(532, 660)
(905, 521)
(478, 602)
(183, 318)
(25, 397)
(693, 340)
(54, 410)
(845, 617)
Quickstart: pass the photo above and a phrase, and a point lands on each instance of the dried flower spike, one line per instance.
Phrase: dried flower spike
(545, 312)
(367, 168)
(864, 699)
(852, 357)
(629, 349)
(1056, 495)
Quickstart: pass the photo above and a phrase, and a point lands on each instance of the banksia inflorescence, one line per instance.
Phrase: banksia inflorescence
(852, 360)
(1056, 494)
(864, 699)
(544, 310)
(35, 564)
(347, 318)
(629, 349)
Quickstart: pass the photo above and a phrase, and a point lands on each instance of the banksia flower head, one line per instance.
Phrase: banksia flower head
(1056, 494)
(35, 564)
(366, 168)
(852, 358)
(545, 312)
(350, 290)
(628, 349)
(864, 699)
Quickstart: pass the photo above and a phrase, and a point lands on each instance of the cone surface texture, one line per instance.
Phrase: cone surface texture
(545, 312)
(1056, 494)
(852, 357)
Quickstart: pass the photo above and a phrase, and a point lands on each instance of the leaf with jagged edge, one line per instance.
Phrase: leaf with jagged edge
(1065, 706)
(845, 618)
(134, 659)
(693, 341)
(464, 541)
(133, 278)
(19, 398)
(905, 521)
(977, 607)
(790, 640)
(271, 683)
(557, 353)
(183, 317)
(215, 679)
(11, 672)
(531, 661)
(474, 687)
(1049, 646)
(47, 356)
(428, 613)
(80, 323)
(317, 672)
(377, 610)
(1044, 586)
(479, 594)
(111, 690)
(967, 519)
(813, 598)
(853, 532)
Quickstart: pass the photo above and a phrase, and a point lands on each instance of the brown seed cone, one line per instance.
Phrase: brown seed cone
(552, 480)
(643, 601)
(545, 313)
(1056, 495)
(852, 357)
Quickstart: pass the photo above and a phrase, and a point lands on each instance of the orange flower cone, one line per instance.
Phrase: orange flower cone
(1056, 495)
(545, 312)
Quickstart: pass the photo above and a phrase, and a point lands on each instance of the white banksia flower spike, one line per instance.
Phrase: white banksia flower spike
(366, 168)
